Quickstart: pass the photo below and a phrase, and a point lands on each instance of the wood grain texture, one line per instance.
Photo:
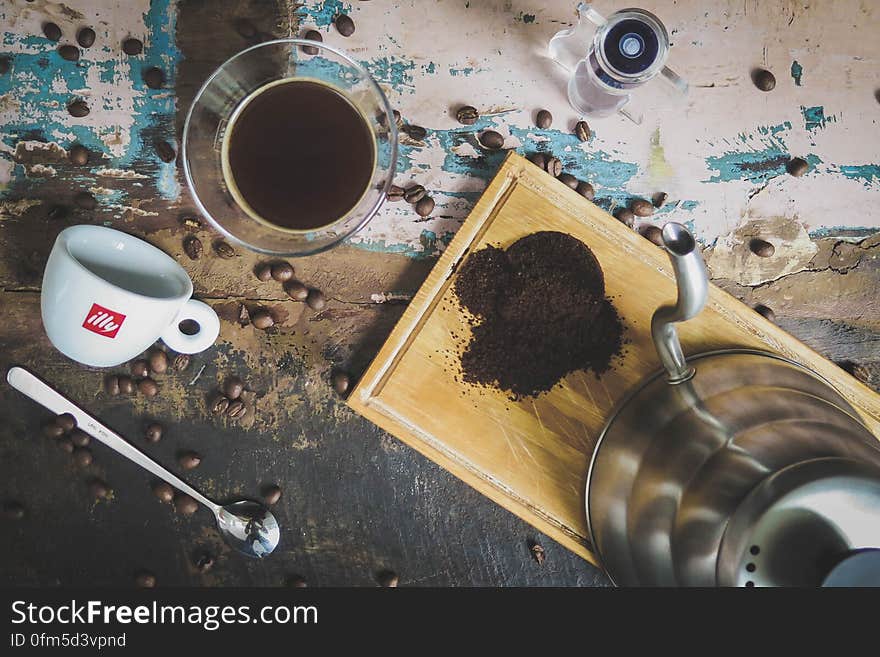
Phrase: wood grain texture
(531, 455)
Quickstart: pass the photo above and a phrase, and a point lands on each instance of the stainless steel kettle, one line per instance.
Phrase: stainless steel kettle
(732, 468)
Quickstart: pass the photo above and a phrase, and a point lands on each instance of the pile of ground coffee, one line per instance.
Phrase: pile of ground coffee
(540, 312)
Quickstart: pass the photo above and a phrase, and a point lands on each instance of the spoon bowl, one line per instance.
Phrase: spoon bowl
(249, 527)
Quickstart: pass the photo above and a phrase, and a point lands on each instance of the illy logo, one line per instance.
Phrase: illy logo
(103, 321)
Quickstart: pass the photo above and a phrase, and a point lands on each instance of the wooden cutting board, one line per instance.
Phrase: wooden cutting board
(531, 456)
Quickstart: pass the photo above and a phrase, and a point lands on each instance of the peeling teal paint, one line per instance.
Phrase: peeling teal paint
(753, 166)
(393, 71)
(814, 117)
(429, 68)
(797, 72)
(323, 13)
(42, 115)
(867, 173)
(464, 72)
(429, 245)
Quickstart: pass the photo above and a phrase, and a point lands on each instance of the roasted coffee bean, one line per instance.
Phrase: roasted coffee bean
(315, 300)
(158, 361)
(394, 193)
(554, 166)
(425, 206)
(224, 250)
(180, 362)
(766, 312)
(78, 154)
(764, 80)
(140, 368)
(52, 31)
(132, 47)
(164, 491)
(244, 316)
(467, 115)
(659, 199)
(85, 200)
(68, 52)
(5, 65)
(797, 167)
(126, 385)
(491, 140)
(297, 582)
(344, 25)
(193, 248)
(538, 553)
(154, 77)
(153, 432)
(189, 460)
(652, 234)
(52, 429)
(236, 409)
(82, 457)
(262, 319)
(219, 404)
(111, 384)
(233, 387)
(414, 194)
(13, 510)
(57, 212)
(184, 504)
(543, 119)
(568, 179)
(626, 217)
(145, 580)
(80, 438)
(586, 190)
(641, 207)
(165, 151)
(148, 387)
(65, 444)
(271, 494)
(416, 132)
(263, 271)
(387, 579)
(66, 421)
(539, 160)
(99, 489)
(282, 271)
(312, 35)
(582, 131)
(296, 291)
(761, 248)
(78, 109)
(341, 381)
(86, 37)
(203, 561)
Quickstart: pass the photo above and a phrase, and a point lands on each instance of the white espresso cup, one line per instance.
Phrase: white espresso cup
(108, 296)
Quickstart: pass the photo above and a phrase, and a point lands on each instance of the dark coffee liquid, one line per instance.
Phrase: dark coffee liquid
(300, 155)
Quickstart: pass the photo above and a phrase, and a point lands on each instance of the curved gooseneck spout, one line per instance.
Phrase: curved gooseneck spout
(693, 286)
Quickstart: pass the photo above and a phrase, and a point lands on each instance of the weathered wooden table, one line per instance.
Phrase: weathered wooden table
(355, 500)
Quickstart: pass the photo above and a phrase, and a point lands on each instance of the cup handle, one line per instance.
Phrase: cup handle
(209, 328)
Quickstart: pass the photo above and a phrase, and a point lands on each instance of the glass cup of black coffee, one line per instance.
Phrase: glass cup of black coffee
(289, 147)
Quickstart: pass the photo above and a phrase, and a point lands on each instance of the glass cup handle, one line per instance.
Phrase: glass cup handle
(209, 328)
(678, 83)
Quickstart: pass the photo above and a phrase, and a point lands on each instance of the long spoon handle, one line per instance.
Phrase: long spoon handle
(25, 382)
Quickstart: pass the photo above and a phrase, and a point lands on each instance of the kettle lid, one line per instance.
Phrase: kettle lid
(860, 568)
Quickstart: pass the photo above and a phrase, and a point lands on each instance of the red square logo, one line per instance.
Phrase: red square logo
(103, 321)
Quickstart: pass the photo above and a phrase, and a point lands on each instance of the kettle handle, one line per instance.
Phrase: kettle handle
(693, 288)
